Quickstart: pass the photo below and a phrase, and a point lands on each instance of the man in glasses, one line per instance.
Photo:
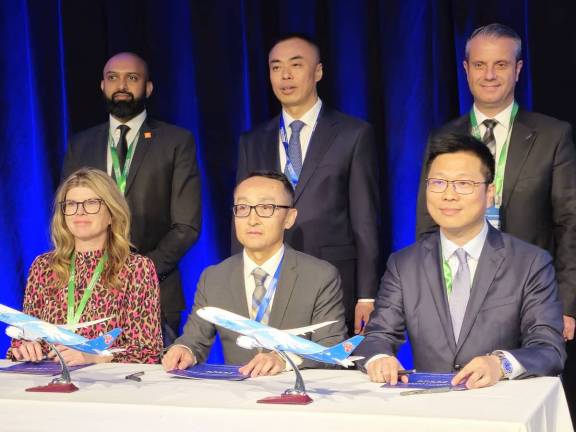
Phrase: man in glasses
(473, 300)
(267, 281)
(535, 179)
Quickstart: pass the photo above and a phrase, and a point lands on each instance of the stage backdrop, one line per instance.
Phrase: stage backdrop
(395, 63)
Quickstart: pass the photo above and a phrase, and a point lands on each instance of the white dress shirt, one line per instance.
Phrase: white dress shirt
(269, 267)
(310, 118)
(131, 137)
(502, 129)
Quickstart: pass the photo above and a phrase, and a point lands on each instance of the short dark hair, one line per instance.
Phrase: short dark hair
(274, 175)
(302, 36)
(454, 143)
(496, 30)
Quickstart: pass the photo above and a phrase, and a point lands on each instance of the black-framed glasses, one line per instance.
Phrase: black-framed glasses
(262, 210)
(461, 187)
(90, 206)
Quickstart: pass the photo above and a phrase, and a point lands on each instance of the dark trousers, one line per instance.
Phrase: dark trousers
(569, 379)
(170, 328)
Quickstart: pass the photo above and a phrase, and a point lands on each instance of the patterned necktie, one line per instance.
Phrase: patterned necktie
(294, 147)
(489, 139)
(259, 293)
(458, 299)
(122, 146)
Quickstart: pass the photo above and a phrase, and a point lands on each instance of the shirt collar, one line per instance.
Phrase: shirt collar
(134, 123)
(309, 118)
(269, 266)
(473, 248)
(503, 117)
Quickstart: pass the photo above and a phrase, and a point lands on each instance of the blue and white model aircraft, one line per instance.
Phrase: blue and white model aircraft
(23, 326)
(258, 335)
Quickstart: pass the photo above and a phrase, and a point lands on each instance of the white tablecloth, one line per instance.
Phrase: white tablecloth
(343, 401)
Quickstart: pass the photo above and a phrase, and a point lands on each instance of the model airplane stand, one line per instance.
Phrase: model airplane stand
(61, 384)
(292, 396)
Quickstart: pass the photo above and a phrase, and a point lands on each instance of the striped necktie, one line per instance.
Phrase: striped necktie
(489, 139)
(294, 147)
(259, 278)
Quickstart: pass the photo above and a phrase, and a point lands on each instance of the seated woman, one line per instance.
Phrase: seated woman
(91, 274)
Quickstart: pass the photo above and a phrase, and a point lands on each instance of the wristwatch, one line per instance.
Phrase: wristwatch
(505, 364)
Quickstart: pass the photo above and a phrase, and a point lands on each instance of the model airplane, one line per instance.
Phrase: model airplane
(23, 326)
(257, 335)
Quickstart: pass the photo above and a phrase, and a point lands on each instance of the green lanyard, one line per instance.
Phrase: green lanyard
(121, 176)
(501, 163)
(73, 317)
(447, 273)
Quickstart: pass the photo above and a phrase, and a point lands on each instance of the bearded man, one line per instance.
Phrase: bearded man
(154, 165)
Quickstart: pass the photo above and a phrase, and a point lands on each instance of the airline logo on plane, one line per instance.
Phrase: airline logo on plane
(348, 347)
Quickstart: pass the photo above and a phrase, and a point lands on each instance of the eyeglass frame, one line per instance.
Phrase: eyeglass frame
(453, 182)
(256, 207)
(83, 203)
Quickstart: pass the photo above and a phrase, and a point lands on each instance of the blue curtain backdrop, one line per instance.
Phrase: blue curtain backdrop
(395, 63)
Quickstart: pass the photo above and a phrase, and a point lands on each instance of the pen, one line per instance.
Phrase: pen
(406, 371)
(135, 376)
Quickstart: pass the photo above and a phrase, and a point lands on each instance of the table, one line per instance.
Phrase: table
(343, 401)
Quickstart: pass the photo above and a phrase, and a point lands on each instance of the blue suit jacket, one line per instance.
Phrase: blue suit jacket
(513, 306)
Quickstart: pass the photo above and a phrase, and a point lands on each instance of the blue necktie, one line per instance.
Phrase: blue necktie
(458, 299)
(294, 147)
(259, 278)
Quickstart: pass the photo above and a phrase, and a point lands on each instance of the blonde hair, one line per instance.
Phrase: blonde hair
(117, 243)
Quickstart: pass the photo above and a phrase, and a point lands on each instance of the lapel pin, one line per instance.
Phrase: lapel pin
(147, 134)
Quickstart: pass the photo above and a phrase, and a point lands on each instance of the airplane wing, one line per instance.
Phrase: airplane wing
(30, 328)
(308, 329)
(73, 327)
(15, 317)
(230, 321)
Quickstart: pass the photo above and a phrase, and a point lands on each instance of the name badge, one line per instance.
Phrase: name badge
(493, 217)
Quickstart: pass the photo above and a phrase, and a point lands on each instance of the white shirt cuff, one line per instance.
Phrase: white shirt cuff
(517, 368)
(365, 300)
(376, 357)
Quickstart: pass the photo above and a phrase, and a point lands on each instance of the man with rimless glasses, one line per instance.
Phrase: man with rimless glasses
(268, 282)
(473, 300)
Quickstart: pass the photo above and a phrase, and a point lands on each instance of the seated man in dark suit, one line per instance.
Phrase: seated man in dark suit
(302, 290)
(472, 299)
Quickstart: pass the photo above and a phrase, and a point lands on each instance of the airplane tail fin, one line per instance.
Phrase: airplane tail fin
(100, 344)
(339, 354)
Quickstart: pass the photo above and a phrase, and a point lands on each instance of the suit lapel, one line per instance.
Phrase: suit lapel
(321, 140)
(98, 154)
(433, 264)
(286, 283)
(145, 140)
(269, 148)
(238, 302)
(521, 142)
(491, 258)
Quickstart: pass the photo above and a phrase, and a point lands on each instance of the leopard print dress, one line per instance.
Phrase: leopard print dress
(135, 307)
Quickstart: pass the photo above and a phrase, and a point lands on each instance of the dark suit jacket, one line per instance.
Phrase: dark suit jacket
(162, 190)
(308, 292)
(337, 196)
(539, 195)
(513, 306)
